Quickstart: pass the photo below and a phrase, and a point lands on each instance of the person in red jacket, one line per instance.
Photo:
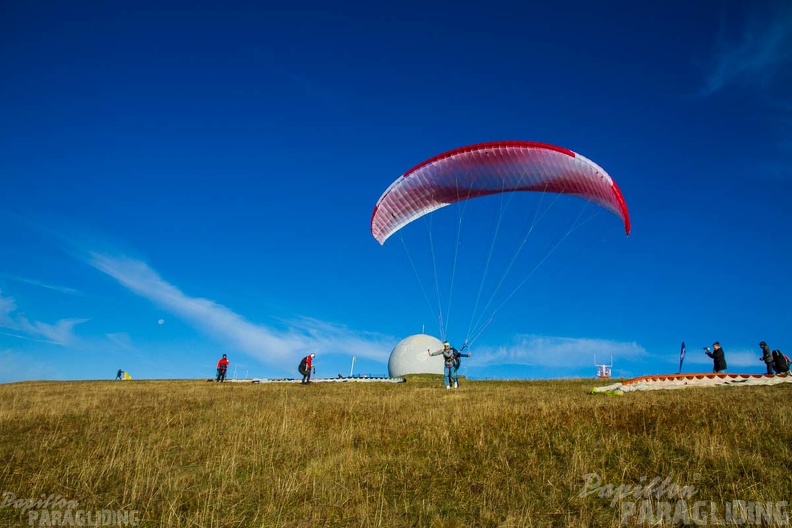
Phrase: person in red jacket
(305, 368)
(222, 367)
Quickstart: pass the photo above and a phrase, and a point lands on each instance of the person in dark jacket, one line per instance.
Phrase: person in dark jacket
(718, 357)
(780, 363)
(767, 357)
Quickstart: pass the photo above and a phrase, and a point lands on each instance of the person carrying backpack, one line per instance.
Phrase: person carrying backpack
(305, 368)
(767, 357)
(222, 368)
(451, 361)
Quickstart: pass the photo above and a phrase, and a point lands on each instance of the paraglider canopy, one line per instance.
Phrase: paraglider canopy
(499, 169)
(491, 168)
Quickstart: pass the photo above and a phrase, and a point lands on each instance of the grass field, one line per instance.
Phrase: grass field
(192, 453)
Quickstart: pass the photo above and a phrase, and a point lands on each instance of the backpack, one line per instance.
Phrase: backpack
(781, 361)
(302, 365)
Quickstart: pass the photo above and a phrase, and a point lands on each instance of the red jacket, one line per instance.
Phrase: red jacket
(223, 363)
(308, 361)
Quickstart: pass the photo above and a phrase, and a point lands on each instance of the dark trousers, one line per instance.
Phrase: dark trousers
(306, 374)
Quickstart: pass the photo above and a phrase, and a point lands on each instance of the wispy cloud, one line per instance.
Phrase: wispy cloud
(121, 341)
(15, 366)
(60, 333)
(270, 345)
(40, 284)
(755, 57)
(278, 346)
(340, 339)
(546, 351)
(761, 51)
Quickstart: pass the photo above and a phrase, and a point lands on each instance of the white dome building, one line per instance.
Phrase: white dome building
(410, 357)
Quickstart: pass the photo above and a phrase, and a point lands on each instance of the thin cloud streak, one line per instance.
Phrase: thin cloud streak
(759, 59)
(40, 284)
(61, 333)
(15, 367)
(761, 51)
(557, 352)
(271, 346)
(26, 338)
(121, 341)
(340, 339)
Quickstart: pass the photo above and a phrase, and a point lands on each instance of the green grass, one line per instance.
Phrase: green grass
(191, 453)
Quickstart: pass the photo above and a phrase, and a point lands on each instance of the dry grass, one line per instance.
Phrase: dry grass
(190, 453)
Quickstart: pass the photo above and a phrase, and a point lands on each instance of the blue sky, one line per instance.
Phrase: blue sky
(182, 180)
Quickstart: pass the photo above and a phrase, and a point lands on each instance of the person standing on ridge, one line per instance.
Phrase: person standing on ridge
(718, 357)
(767, 356)
(305, 368)
(780, 363)
(451, 361)
(222, 367)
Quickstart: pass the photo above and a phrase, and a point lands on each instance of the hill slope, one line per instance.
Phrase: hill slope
(190, 453)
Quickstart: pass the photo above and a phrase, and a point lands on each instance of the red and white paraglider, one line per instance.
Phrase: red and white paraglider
(490, 168)
(481, 170)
